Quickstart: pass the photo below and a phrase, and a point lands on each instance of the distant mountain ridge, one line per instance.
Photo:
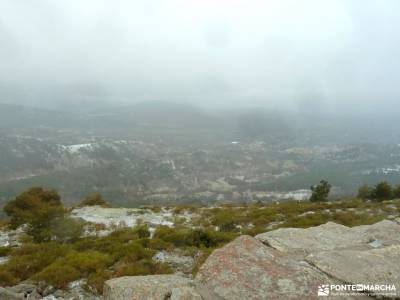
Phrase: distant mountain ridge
(161, 113)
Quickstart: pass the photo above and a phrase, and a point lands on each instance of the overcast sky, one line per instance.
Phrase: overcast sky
(273, 53)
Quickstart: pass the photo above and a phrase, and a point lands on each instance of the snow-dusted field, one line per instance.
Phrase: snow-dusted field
(122, 216)
(78, 147)
(296, 195)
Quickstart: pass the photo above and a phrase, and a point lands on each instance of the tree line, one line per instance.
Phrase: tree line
(379, 192)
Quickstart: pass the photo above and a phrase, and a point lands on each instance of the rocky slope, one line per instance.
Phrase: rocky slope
(285, 264)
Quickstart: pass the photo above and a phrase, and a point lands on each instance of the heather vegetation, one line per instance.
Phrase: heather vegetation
(58, 251)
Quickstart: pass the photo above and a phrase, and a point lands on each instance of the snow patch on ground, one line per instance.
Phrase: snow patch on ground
(384, 171)
(4, 241)
(76, 148)
(128, 217)
(3, 260)
(10, 238)
(296, 195)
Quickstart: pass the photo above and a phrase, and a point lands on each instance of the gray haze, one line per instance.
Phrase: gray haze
(230, 53)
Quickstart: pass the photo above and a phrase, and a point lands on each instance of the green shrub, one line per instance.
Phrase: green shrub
(66, 229)
(218, 239)
(307, 221)
(226, 220)
(143, 267)
(262, 216)
(396, 192)
(254, 230)
(179, 209)
(7, 278)
(59, 275)
(4, 251)
(135, 252)
(142, 231)
(158, 244)
(383, 191)
(351, 219)
(365, 192)
(174, 236)
(32, 258)
(73, 267)
(94, 199)
(95, 281)
(129, 234)
(86, 262)
(155, 209)
(186, 237)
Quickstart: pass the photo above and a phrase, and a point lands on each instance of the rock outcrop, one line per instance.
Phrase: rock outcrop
(326, 237)
(247, 269)
(6, 294)
(42, 291)
(176, 260)
(331, 236)
(283, 264)
(152, 287)
(376, 266)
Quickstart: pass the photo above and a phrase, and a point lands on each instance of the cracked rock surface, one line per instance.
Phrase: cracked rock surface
(286, 263)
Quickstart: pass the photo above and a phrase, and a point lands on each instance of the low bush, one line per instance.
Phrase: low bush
(226, 220)
(30, 259)
(95, 281)
(186, 237)
(58, 275)
(351, 219)
(143, 267)
(7, 278)
(4, 251)
(94, 199)
(72, 267)
(310, 220)
(253, 231)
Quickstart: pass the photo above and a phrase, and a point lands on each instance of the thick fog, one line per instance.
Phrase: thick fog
(337, 55)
